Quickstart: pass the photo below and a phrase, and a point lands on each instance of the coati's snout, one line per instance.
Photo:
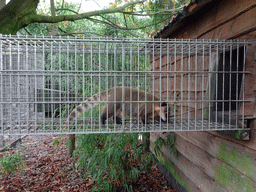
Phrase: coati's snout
(160, 113)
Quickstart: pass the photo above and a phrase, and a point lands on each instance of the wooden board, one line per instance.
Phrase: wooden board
(225, 12)
(230, 30)
(179, 175)
(226, 27)
(204, 160)
(199, 153)
(213, 15)
(251, 144)
(250, 81)
(202, 180)
(211, 141)
(212, 144)
(250, 36)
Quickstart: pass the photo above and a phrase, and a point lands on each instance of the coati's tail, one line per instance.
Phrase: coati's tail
(86, 105)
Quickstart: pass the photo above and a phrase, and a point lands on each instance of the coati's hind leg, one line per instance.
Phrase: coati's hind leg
(143, 117)
(103, 116)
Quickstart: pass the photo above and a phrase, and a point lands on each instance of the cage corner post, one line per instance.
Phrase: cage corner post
(2, 142)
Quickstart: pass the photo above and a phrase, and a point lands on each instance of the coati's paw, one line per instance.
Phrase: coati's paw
(118, 120)
(102, 120)
(145, 121)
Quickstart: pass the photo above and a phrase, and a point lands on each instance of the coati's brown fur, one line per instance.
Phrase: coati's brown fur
(133, 105)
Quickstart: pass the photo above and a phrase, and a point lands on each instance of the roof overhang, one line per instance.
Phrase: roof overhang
(178, 21)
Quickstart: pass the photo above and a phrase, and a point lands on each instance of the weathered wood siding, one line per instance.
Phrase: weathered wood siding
(177, 86)
(213, 161)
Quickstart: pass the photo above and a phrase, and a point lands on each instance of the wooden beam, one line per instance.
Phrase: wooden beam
(179, 175)
(206, 161)
(235, 10)
(202, 180)
(235, 28)
(222, 22)
(212, 143)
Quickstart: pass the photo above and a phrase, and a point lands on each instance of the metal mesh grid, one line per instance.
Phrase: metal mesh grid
(42, 79)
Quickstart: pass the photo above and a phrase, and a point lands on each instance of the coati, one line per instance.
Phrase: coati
(133, 105)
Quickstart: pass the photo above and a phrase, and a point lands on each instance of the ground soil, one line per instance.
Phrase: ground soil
(49, 169)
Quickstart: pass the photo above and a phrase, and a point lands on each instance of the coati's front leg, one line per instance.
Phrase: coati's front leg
(107, 112)
(110, 112)
(118, 116)
(103, 118)
(144, 121)
(144, 118)
(143, 114)
(117, 120)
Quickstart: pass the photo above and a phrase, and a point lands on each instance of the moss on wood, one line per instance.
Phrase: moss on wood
(242, 163)
(172, 170)
(230, 179)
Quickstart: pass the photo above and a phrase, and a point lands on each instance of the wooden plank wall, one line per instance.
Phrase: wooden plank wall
(213, 161)
(187, 86)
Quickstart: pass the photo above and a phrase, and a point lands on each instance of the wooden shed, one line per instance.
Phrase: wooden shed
(211, 160)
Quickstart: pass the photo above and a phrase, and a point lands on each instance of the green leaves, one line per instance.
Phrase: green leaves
(169, 142)
(11, 164)
(122, 19)
(113, 160)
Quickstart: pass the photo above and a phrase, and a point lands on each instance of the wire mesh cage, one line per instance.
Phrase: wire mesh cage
(53, 85)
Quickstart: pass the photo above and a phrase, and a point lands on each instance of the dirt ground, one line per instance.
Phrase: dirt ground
(49, 169)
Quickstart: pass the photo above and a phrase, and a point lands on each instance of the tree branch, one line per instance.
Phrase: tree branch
(107, 23)
(125, 21)
(120, 27)
(50, 19)
(2, 3)
(64, 9)
(113, 25)
(54, 31)
(27, 31)
(15, 11)
(164, 12)
(64, 34)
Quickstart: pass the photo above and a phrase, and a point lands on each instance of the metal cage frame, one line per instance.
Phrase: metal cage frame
(42, 79)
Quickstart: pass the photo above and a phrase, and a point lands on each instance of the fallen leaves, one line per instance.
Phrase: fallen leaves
(49, 169)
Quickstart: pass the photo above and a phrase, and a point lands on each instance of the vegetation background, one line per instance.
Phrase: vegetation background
(113, 160)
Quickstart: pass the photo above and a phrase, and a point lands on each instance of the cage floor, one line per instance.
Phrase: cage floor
(87, 126)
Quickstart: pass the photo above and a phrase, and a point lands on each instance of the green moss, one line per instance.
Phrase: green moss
(217, 190)
(243, 163)
(231, 180)
(179, 179)
(239, 134)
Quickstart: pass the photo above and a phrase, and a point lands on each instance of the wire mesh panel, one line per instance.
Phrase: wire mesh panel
(106, 85)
